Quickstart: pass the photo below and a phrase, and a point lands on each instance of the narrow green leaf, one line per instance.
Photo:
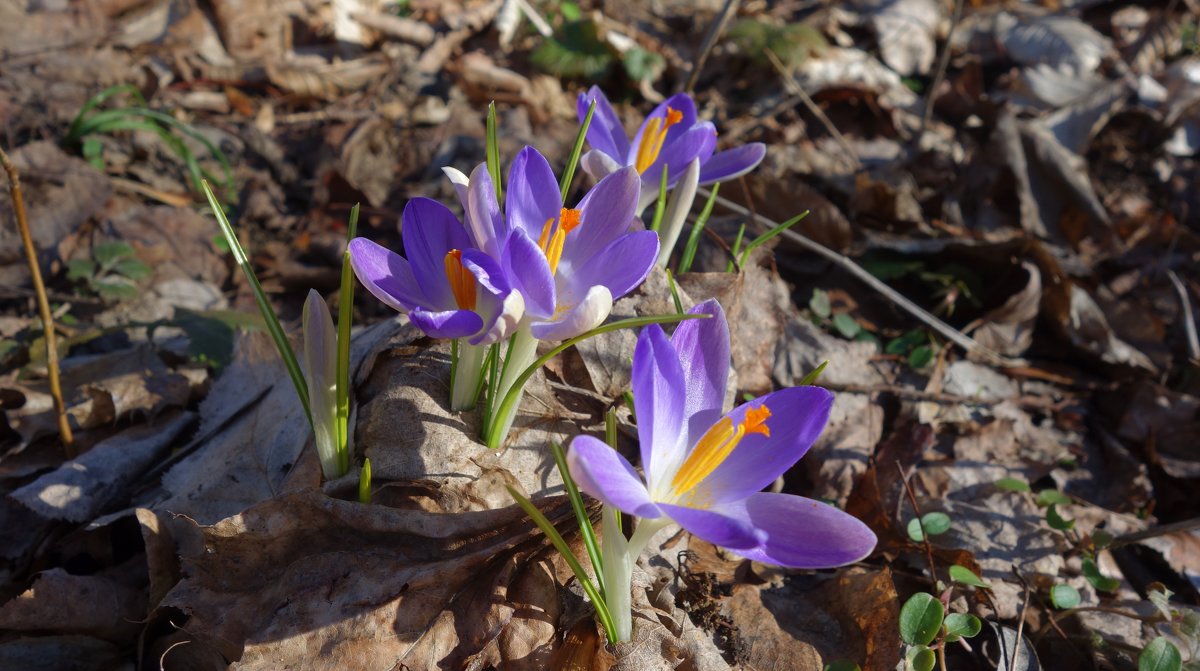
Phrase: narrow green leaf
(364, 482)
(1160, 655)
(962, 625)
(494, 439)
(1048, 497)
(965, 576)
(813, 375)
(737, 244)
(1064, 596)
(689, 251)
(1098, 580)
(282, 344)
(344, 324)
(581, 516)
(920, 619)
(765, 237)
(585, 581)
(660, 205)
(1012, 485)
(674, 292)
(576, 150)
(493, 149)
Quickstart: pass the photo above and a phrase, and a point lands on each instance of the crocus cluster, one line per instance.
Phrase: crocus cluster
(705, 469)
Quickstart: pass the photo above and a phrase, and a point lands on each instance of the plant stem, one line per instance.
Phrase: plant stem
(620, 556)
(467, 373)
(521, 353)
(35, 273)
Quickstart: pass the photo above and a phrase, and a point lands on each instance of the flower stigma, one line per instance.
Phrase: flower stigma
(462, 282)
(553, 237)
(715, 446)
(653, 138)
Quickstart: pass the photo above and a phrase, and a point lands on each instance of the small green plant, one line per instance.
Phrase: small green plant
(917, 347)
(842, 322)
(111, 273)
(92, 121)
(794, 43)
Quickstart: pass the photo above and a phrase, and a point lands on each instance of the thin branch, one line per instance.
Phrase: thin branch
(1016, 653)
(798, 90)
(1152, 532)
(943, 63)
(35, 273)
(949, 332)
(912, 499)
(710, 40)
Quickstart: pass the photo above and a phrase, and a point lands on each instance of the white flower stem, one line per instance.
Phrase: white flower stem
(678, 206)
(620, 555)
(521, 353)
(468, 370)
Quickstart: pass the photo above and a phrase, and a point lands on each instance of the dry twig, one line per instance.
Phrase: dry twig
(35, 272)
(714, 32)
(796, 89)
(943, 63)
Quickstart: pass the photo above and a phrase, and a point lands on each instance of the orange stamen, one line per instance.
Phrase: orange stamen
(554, 237)
(653, 138)
(462, 282)
(715, 447)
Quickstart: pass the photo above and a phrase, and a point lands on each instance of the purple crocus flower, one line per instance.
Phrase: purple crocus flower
(705, 469)
(448, 287)
(670, 138)
(571, 263)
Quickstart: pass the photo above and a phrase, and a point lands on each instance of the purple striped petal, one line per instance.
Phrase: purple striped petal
(386, 275)
(800, 532)
(606, 133)
(533, 196)
(621, 266)
(681, 102)
(703, 348)
(580, 317)
(430, 230)
(798, 414)
(717, 525)
(446, 324)
(483, 218)
(608, 477)
(500, 307)
(526, 266)
(606, 213)
(659, 398)
(731, 163)
(599, 165)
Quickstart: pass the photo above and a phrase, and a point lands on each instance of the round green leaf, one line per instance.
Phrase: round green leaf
(1057, 521)
(965, 576)
(1012, 485)
(1101, 539)
(842, 665)
(1160, 655)
(1064, 596)
(1100, 581)
(819, 304)
(935, 523)
(962, 625)
(920, 619)
(920, 357)
(920, 658)
(1048, 497)
(846, 325)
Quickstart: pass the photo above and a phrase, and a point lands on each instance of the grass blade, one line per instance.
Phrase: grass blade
(576, 150)
(493, 149)
(581, 517)
(364, 482)
(689, 251)
(737, 245)
(264, 306)
(345, 319)
(674, 292)
(769, 234)
(585, 581)
(660, 205)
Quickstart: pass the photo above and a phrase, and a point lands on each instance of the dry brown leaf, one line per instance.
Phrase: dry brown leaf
(60, 653)
(93, 605)
(1008, 329)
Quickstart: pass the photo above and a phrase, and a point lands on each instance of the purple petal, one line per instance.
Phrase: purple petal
(526, 266)
(606, 213)
(607, 476)
(483, 217)
(798, 414)
(726, 526)
(460, 182)
(731, 163)
(703, 347)
(430, 230)
(599, 165)
(621, 266)
(803, 533)
(533, 196)
(659, 397)
(681, 102)
(386, 275)
(605, 133)
(580, 317)
(697, 142)
(446, 324)
(498, 304)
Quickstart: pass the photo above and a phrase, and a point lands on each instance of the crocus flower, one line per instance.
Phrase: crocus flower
(705, 470)
(571, 263)
(670, 137)
(449, 288)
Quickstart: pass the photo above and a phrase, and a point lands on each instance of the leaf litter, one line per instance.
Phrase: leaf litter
(1033, 195)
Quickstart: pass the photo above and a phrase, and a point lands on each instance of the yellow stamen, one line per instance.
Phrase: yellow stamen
(715, 447)
(462, 282)
(553, 237)
(653, 138)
